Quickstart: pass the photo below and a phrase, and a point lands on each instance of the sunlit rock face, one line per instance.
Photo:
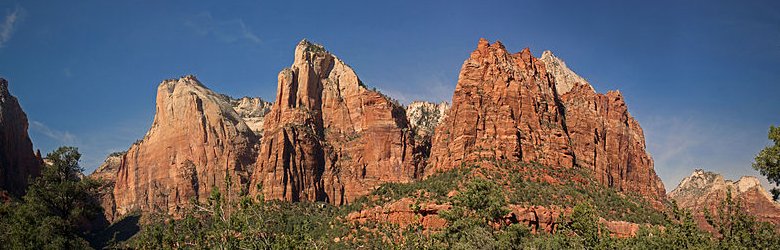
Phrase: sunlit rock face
(197, 143)
(328, 137)
(515, 107)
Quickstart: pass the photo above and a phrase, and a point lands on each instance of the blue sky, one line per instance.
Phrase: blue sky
(701, 77)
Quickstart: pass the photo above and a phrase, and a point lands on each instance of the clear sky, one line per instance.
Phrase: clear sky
(702, 77)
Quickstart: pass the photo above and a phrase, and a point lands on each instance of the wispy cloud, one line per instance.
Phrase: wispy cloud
(9, 24)
(681, 144)
(230, 30)
(63, 137)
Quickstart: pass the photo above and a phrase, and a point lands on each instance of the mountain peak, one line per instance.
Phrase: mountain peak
(565, 78)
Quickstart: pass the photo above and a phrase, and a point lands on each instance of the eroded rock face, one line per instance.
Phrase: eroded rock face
(252, 111)
(18, 162)
(518, 108)
(704, 190)
(504, 108)
(106, 173)
(607, 140)
(327, 137)
(197, 143)
(423, 118)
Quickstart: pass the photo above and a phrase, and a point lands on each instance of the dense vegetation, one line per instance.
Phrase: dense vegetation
(767, 162)
(58, 205)
(474, 222)
(57, 209)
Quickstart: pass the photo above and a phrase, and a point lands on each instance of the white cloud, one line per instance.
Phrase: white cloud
(8, 25)
(63, 137)
(225, 30)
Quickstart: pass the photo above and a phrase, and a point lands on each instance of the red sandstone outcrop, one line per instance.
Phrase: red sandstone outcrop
(504, 108)
(406, 212)
(518, 108)
(403, 212)
(18, 162)
(607, 140)
(329, 138)
(705, 190)
(197, 142)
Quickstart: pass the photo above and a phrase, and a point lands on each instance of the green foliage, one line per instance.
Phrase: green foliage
(577, 186)
(57, 207)
(252, 225)
(740, 230)
(118, 153)
(767, 162)
(483, 197)
(476, 219)
(585, 224)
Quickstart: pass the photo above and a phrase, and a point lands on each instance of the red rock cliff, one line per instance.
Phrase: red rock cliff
(17, 159)
(329, 138)
(519, 108)
(504, 107)
(197, 142)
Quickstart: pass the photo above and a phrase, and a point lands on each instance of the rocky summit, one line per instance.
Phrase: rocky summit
(328, 137)
(516, 107)
(18, 162)
(705, 190)
(197, 143)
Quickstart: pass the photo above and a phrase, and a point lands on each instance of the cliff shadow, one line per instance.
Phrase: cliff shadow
(117, 232)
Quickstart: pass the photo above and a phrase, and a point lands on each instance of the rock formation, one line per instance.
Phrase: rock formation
(18, 162)
(518, 108)
(704, 190)
(106, 173)
(504, 108)
(606, 139)
(329, 138)
(252, 110)
(197, 143)
(565, 78)
(423, 118)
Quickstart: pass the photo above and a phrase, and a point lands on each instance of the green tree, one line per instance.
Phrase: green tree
(739, 230)
(767, 162)
(56, 209)
(585, 224)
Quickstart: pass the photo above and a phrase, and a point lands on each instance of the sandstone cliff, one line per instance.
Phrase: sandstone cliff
(197, 142)
(18, 162)
(106, 173)
(516, 107)
(252, 111)
(329, 138)
(504, 108)
(704, 190)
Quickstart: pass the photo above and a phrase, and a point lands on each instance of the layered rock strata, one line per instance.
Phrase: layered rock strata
(515, 107)
(329, 138)
(197, 143)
